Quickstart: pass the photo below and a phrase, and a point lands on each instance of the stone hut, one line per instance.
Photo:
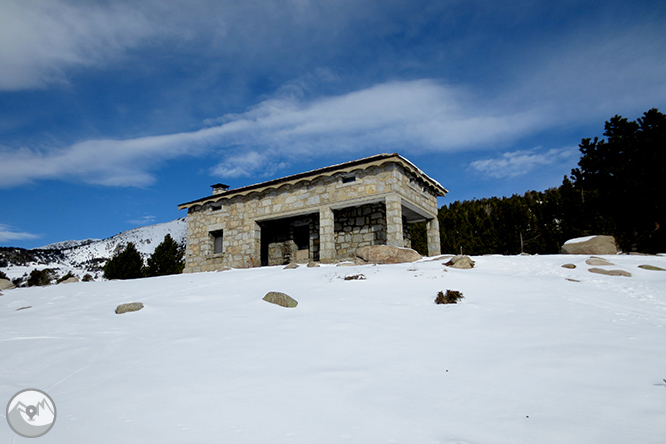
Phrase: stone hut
(322, 215)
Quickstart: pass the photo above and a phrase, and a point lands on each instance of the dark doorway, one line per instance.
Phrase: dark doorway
(290, 240)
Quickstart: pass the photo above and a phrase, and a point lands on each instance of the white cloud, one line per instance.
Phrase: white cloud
(143, 220)
(519, 163)
(40, 39)
(415, 116)
(7, 233)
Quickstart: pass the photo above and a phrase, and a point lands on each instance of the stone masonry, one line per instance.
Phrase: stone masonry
(322, 215)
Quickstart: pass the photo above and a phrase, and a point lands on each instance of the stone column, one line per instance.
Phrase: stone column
(255, 254)
(326, 235)
(434, 245)
(394, 235)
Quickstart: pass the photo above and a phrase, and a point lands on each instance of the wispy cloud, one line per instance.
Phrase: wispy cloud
(418, 116)
(519, 163)
(40, 39)
(414, 116)
(143, 220)
(7, 233)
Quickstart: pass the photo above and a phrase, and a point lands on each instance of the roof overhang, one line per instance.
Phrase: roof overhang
(343, 168)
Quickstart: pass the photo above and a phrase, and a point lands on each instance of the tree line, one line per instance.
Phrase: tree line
(128, 264)
(618, 189)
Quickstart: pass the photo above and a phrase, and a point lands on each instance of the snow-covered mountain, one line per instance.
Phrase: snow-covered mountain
(81, 257)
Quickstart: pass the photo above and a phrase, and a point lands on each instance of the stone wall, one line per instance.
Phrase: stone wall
(239, 216)
(357, 227)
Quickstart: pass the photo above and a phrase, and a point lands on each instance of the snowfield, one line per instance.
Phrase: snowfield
(527, 357)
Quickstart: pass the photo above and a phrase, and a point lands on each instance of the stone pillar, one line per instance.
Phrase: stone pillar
(326, 235)
(255, 255)
(434, 245)
(394, 235)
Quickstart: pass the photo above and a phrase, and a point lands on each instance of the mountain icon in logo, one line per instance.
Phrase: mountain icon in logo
(31, 413)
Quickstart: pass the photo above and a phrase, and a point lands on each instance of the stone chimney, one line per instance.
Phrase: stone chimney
(219, 188)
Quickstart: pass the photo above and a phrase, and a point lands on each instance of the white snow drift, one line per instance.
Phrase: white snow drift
(535, 353)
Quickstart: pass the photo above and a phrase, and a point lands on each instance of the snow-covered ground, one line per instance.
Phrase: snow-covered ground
(528, 356)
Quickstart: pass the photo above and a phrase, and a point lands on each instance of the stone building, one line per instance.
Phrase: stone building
(321, 215)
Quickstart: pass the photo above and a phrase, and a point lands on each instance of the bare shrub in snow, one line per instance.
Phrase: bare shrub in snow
(450, 297)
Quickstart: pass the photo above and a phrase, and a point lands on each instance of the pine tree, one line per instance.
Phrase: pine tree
(127, 264)
(167, 259)
(621, 178)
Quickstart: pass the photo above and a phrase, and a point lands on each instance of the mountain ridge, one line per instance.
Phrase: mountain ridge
(81, 257)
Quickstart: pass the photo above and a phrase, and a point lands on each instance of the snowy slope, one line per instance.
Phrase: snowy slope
(87, 256)
(145, 239)
(527, 357)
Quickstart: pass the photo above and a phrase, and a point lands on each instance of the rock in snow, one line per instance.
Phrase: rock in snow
(461, 261)
(386, 254)
(610, 272)
(6, 284)
(598, 261)
(590, 245)
(281, 299)
(131, 306)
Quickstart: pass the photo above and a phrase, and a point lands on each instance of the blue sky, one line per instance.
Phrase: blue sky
(112, 112)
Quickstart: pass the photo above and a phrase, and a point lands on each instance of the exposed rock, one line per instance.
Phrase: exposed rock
(386, 254)
(572, 280)
(461, 261)
(70, 280)
(610, 272)
(291, 266)
(131, 306)
(6, 284)
(281, 299)
(355, 277)
(590, 245)
(313, 264)
(24, 308)
(598, 261)
(651, 267)
(570, 266)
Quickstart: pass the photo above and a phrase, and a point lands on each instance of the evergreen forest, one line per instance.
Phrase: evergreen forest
(618, 189)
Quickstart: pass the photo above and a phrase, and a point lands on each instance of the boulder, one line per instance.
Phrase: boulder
(131, 306)
(598, 261)
(461, 261)
(70, 280)
(569, 266)
(590, 245)
(386, 254)
(6, 284)
(291, 266)
(281, 299)
(610, 272)
(313, 264)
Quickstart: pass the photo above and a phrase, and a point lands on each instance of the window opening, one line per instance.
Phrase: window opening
(218, 241)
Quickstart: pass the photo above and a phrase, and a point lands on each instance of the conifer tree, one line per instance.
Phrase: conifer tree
(167, 259)
(127, 264)
(622, 181)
